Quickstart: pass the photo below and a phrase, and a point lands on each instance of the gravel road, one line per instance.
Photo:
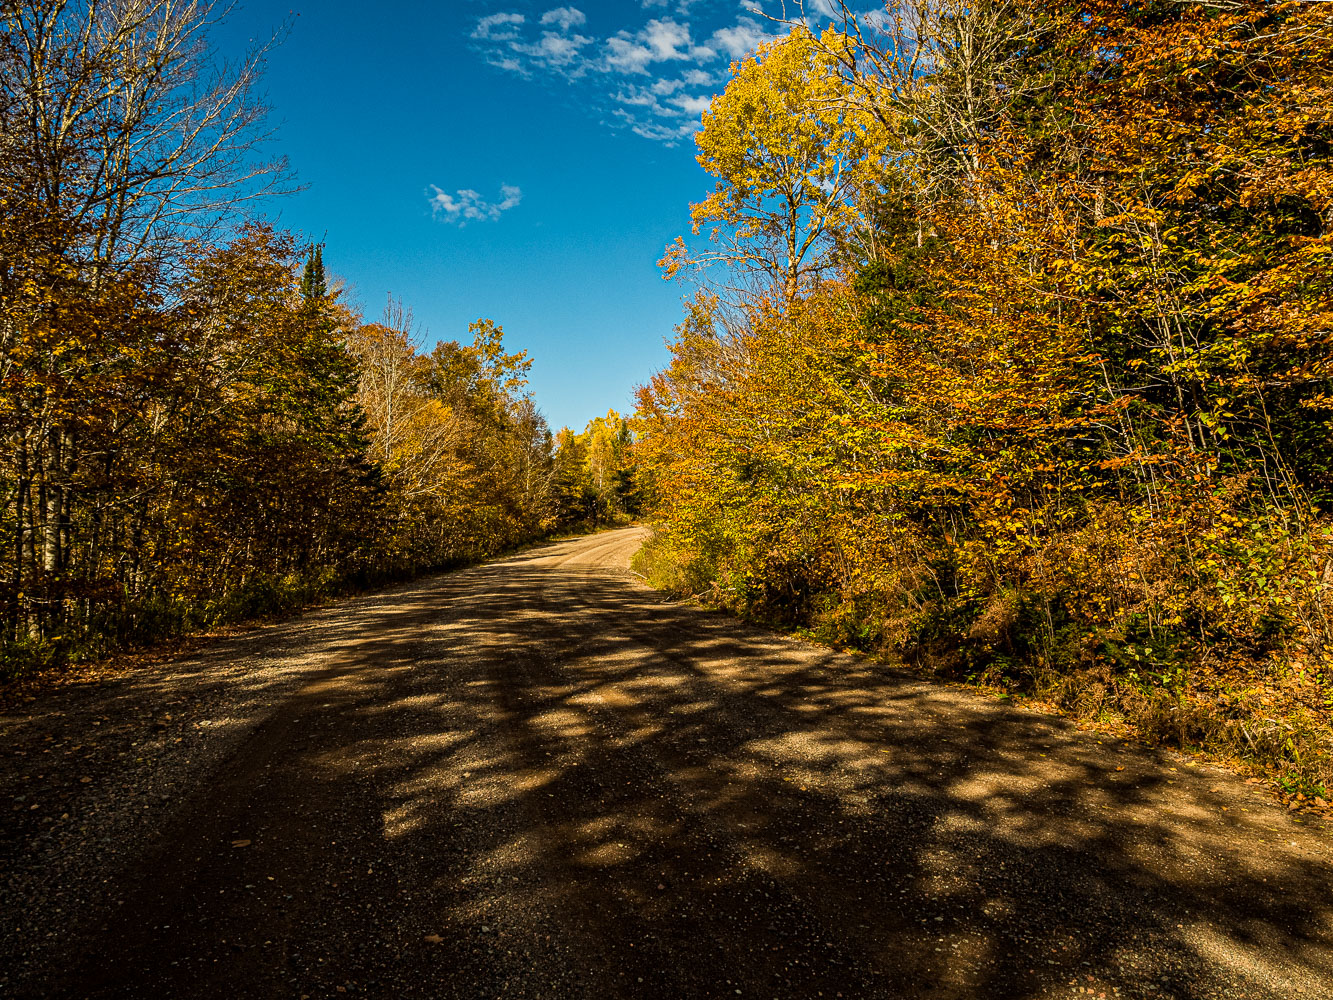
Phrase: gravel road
(536, 778)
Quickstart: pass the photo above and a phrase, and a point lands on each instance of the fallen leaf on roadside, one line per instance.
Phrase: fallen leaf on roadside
(85, 781)
(240, 843)
(1119, 768)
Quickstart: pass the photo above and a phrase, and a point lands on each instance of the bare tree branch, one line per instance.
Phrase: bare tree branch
(122, 119)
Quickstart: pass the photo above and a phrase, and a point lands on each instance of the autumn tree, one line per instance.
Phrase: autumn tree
(576, 499)
(789, 150)
(123, 142)
(218, 448)
(126, 125)
(595, 476)
(1060, 421)
(391, 378)
(197, 425)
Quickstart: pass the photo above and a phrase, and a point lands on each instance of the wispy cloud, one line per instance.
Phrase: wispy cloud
(660, 40)
(466, 205)
(553, 51)
(680, 6)
(564, 17)
(741, 38)
(655, 77)
(498, 27)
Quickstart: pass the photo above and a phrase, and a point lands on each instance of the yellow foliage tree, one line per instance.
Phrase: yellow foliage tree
(789, 147)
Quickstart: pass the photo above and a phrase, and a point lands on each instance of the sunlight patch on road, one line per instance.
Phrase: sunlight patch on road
(562, 721)
(608, 855)
(1250, 962)
(809, 748)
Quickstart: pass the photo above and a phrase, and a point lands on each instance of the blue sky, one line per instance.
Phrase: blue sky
(522, 161)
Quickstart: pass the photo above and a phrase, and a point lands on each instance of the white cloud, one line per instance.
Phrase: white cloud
(675, 113)
(555, 51)
(565, 17)
(624, 55)
(666, 39)
(741, 39)
(466, 205)
(637, 98)
(658, 131)
(691, 104)
(654, 77)
(498, 27)
(876, 20)
(660, 40)
(681, 6)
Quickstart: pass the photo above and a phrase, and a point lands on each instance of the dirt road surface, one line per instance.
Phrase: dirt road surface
(536, 778)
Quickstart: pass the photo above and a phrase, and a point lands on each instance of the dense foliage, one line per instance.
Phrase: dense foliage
(1059, 419)
(595, 481)
(180, 453)
(197, 426)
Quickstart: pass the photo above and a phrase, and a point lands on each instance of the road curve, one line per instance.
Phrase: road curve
(536, 778)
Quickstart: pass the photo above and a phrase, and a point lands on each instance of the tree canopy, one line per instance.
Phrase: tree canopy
(1056, 414)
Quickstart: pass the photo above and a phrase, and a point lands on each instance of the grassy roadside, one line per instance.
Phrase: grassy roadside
(1264, 720)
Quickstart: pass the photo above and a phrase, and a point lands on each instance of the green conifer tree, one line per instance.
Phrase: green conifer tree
(314, 287)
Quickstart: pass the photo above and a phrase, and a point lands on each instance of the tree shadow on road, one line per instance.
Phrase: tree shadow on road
(541, 780)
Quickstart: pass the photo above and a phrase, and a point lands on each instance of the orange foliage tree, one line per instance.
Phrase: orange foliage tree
(1062, 422)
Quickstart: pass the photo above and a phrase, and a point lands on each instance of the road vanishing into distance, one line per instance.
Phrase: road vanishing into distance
(538, 778)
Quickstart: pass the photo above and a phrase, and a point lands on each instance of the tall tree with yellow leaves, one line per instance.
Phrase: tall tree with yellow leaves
(790, 149)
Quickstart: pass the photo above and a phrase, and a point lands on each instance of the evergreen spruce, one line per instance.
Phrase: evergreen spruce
(314, 287)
